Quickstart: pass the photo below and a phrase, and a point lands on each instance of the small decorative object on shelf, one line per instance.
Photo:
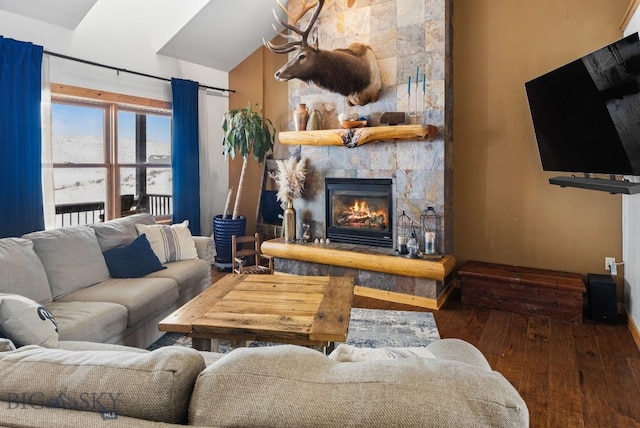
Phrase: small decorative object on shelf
(403, 231)
(305, 232)
(290, 179)
(413, 249)
(300, 117)
(315, 120)
(289, 222)
(430, 223)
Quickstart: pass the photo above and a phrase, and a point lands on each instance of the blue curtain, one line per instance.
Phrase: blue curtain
(21, 199)
(185, 162)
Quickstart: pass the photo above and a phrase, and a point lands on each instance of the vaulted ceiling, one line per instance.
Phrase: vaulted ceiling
(214, 33)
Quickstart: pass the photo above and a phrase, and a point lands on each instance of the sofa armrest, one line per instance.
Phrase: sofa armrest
(458, 350)
(205, 248)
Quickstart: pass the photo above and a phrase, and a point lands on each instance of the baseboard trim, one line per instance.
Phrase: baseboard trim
(633, 328)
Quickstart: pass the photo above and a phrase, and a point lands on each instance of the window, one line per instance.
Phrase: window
(109, 160)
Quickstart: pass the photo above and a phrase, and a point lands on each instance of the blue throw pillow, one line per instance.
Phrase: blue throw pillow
(132, 261)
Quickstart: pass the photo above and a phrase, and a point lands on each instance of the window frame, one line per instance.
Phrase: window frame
(112, 104)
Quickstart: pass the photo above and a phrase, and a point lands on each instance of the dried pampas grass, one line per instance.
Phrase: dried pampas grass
(290, 178)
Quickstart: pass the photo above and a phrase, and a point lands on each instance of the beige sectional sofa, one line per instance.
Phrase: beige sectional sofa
(56, 283)
(280, 386)
(65, 271)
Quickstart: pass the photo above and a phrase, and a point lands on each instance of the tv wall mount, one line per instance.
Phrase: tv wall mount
(611, 185)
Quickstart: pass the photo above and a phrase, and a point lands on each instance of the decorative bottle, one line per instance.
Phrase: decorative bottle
(289, 222)
(301, 117)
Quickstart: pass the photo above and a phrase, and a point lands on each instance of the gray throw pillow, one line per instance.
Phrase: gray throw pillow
(22, 271)
(71, 257)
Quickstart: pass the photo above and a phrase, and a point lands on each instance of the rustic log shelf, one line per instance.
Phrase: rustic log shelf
(355, 137)
(346, 255)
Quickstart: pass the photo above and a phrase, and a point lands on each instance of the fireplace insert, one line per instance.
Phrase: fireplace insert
(359, 211)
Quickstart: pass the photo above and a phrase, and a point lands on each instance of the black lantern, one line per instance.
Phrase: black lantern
(403, 231)
(430, 223)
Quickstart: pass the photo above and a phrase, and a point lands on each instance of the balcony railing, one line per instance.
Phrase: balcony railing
(85, 213)
(79, 214)
(158, 205)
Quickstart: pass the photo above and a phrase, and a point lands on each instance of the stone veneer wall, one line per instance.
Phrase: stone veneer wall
(421, 287)
(404, 34)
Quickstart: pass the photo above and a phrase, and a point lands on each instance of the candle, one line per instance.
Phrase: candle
(402, 244)
(429, 242)
(424, 82)
(409, 86)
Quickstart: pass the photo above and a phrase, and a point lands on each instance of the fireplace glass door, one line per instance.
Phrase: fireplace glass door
(358, 211)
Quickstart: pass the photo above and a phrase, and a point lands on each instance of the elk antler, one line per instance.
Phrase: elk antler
(294, 18)
(303, 7)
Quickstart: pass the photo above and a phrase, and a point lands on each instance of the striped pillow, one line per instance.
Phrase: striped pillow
(170, 243)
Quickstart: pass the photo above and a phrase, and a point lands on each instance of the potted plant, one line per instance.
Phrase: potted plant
(246, 132)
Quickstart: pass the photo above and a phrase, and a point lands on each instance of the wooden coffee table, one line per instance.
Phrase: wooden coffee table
(305, 310)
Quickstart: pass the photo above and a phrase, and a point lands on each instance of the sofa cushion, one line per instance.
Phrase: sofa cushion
(22, 271)
(191, 275)
(274, 386)
(79, 345)
(27, 322)
(132, 261)
(120, 231)
(349, 353)
(170, 243)
(71, 257)
(90, 321)
(144, 298)
(154, 386)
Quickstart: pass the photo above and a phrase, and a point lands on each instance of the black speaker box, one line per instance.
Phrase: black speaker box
(601, 292)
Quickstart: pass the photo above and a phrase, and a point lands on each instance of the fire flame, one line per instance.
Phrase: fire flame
(360, 211)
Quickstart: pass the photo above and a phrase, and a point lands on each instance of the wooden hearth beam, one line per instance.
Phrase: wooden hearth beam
(341, 255)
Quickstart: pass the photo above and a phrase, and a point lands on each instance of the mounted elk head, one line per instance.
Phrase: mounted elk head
(352, 72)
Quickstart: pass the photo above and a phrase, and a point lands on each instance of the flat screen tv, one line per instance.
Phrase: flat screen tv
(586, 114)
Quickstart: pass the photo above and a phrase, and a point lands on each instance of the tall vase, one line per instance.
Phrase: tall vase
(301, 117)
(289, 222)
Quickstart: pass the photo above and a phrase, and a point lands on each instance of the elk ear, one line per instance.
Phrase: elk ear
(314, 38)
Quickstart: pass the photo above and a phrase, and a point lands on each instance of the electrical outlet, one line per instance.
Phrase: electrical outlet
(608, 262)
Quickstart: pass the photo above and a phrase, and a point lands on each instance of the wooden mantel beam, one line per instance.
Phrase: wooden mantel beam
(335, 255)
(355, 137)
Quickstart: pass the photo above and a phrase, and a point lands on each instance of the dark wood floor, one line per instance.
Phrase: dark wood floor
(569, 374)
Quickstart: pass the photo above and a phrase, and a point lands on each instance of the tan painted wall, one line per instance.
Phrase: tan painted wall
(253, 82)
(505, 211)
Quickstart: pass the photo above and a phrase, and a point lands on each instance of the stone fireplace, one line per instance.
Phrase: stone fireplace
(405, 35)
(359, 211)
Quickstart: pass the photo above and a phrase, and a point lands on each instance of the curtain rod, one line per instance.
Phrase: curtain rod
(124, 70)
